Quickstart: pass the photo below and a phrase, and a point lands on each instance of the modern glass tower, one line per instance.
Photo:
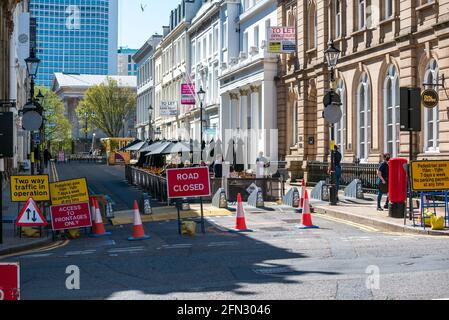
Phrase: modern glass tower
(75, 36)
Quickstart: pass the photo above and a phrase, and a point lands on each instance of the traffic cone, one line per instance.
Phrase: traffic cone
(92, 210)
(302, 191)
(306, 216)
(98, 227)
(240, 219)
(138, 233)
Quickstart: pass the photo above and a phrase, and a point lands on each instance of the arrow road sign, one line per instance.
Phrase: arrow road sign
(31, 216)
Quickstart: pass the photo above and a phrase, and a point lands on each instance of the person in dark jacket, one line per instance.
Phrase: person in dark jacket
(382, 182)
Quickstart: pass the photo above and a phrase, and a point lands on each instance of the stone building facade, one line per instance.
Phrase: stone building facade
(385, 45)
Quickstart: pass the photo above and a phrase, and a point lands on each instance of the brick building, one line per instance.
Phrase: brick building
(385, 44)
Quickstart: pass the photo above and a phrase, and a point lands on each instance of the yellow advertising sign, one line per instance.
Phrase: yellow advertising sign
(70, 191)
(275, 47)
(430, 175)
(26, 187)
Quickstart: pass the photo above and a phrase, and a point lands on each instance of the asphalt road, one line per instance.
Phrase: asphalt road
(276, 261)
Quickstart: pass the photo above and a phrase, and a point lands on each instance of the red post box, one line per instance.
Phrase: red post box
(397, 181)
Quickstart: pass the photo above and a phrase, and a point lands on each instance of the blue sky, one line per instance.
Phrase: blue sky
(135, 26)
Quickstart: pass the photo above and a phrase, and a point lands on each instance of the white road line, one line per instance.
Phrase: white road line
(223, 244)
(176, 246)
(353, 224)
(41, 255)
(79, 253)
(129, 249)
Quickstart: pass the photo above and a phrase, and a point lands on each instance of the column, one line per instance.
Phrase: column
(255, 123)
(243, 125)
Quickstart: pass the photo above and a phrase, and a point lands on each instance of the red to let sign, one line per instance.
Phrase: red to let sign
(70, 216)
(9, 281)
(188, 183)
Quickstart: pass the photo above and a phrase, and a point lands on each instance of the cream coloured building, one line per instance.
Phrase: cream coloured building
(385, 44)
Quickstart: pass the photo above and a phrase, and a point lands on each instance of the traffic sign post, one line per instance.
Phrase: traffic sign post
(9, 281)
(188, 183)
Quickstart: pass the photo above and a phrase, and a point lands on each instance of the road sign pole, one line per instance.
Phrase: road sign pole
(1, 201)
(203, 229)
(178, 204)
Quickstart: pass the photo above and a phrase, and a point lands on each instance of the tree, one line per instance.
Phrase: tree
(57, 127)
(106, 106)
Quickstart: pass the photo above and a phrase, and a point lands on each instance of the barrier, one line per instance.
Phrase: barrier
(292, 198)
(320, 192)
(355, 190)
(256, 199)
(219, 200)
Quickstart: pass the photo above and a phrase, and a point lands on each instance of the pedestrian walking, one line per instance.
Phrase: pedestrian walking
(382, 182)
(47, 157)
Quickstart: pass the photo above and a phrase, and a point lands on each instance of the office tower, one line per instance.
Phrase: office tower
(75, 36)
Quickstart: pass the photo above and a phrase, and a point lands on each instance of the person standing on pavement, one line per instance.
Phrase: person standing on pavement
(382, 182)
(338, 170)
(47, 157)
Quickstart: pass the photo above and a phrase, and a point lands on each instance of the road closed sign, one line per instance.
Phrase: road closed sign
(70, 216)
(430, 175)
(25, 187)
(188, 183)
(9, 281)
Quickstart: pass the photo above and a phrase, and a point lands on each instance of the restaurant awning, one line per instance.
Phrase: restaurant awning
(130, 145)
(137, 146)
(152, 146)
(159, 149)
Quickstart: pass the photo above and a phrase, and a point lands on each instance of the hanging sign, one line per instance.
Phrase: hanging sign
(188, 94)
(430, 98)
(168, 109)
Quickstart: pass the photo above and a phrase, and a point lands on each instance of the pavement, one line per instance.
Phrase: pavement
(341, 260)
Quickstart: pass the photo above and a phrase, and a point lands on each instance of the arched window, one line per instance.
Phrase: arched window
(337, 11)
(312, 22)
(363, 118)
(341, 127)
(431, 116)
(392, 112)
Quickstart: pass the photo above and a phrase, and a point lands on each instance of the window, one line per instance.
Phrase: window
(245, 42)
(431, 116)
(392, 112)
(337, 19)
(363, 118)
(341, 127)
(225, 35)
(388, 8)
(361, 13)
(312, 26)
(256, 37)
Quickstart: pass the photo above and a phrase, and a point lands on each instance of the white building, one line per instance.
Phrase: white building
(144, 60)
(126, 65)
(71, 88)
(172, 65)
(247, 83)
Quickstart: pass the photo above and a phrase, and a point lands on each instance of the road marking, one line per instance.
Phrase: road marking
(128, 249)
(223, 244)
(42, 255)
(80, 253)
(176, 246)
(50, 247)
(353, 224)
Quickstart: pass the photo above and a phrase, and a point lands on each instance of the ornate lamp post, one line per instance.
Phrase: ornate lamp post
(332, 55)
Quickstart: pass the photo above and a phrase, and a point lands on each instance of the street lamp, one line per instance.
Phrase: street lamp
(201, 94)
(332, 55)
(32, 64)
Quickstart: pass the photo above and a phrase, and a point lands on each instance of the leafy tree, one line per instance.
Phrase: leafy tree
(57, 127)
(106, 106)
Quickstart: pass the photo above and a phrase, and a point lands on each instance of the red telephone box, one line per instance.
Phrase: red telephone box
(397, 181)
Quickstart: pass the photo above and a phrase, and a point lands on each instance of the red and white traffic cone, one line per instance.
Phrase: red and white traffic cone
(92, 210)
(240, 225)
(302, 193)
(306, 220)
(98, 229)
(138, 232)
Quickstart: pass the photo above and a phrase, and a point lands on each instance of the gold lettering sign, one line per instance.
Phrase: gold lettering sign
(430, 98)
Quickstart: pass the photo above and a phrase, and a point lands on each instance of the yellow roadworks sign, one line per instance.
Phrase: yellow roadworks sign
(26, 187)
(69, 191)
(430, 175)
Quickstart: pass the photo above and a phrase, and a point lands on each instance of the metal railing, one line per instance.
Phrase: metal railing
(156, 186)
(365, 172)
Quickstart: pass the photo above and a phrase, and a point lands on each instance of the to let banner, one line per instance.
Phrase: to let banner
(281, 39)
